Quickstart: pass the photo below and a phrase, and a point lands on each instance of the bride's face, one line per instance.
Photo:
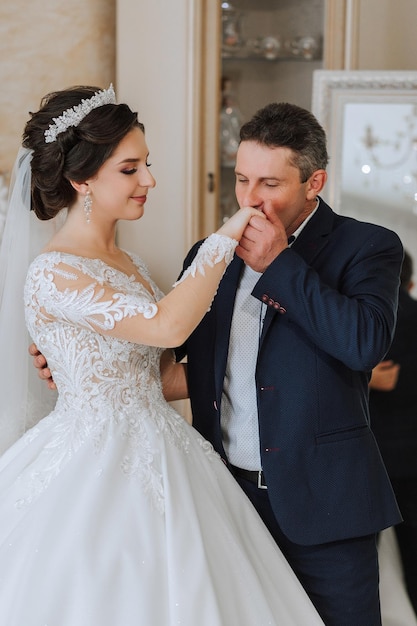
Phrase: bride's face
(120, 187)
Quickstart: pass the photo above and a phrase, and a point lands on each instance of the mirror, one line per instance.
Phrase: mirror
(370, 118)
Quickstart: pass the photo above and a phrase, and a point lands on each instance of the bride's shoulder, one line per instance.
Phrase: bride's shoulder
(56, 261)
(53, 257)
(45, 260)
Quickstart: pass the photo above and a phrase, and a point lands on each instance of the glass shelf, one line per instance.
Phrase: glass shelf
(244, 56)
(307, 48)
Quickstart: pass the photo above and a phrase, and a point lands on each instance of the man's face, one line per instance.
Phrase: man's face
(266, 180)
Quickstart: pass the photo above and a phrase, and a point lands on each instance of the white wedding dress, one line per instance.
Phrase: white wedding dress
(113, 509)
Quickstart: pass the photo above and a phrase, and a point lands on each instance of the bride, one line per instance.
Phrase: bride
(113, 508)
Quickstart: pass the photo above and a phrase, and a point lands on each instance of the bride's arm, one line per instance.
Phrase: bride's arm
(135, 318)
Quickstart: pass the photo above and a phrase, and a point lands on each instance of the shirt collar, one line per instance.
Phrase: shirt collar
(307, 219)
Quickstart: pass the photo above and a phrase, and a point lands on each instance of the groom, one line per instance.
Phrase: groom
(278, 369)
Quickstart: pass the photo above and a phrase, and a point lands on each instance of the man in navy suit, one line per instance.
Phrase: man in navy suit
(393, 409)
(278, 369)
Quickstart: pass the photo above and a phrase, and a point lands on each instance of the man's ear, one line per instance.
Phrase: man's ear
(316, 183)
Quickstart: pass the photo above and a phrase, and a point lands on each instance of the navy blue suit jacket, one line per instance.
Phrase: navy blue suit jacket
(332, 302)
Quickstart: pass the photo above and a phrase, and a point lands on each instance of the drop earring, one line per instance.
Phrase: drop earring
(88, 205)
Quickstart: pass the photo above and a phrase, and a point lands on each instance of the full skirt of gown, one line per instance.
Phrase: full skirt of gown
(95, 547)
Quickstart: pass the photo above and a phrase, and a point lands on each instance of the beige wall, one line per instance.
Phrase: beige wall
(157, 62)
(386, 32)
(50, 44)
(47, 45)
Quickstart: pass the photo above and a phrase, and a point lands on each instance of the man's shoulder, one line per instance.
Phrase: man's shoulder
(346, 225)
(344, 230)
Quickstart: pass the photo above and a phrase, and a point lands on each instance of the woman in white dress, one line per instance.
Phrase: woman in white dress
(113, 509)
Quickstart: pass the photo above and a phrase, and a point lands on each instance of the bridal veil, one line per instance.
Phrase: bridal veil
(24, 398)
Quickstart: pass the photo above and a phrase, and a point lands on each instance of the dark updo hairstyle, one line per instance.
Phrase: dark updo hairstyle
(77, 153)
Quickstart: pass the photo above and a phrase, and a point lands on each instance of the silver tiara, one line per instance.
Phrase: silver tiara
(73, 116)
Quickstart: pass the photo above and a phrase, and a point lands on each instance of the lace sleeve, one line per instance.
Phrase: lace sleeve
(86, 293)
(213, 250)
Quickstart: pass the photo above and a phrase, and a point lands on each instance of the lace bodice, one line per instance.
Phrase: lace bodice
(91, 370)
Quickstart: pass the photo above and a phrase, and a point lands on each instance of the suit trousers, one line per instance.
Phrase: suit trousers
(340, 577)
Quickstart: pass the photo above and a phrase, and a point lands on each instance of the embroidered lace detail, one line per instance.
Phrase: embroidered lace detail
(110, 391)
(213, 250)
(208, 449)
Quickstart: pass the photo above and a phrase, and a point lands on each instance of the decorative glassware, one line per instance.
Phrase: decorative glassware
(270, 47)
(230, 123)
(231, 29)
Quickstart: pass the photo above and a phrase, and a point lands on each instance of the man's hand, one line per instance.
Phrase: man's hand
(262, 241)
(174, 377)
(384, 376)
(236, 225)
(40, 363)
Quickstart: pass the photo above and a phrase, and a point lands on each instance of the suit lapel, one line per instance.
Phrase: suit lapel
(314, 235)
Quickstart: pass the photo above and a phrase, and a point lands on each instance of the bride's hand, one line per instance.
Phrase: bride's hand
(236, 224)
